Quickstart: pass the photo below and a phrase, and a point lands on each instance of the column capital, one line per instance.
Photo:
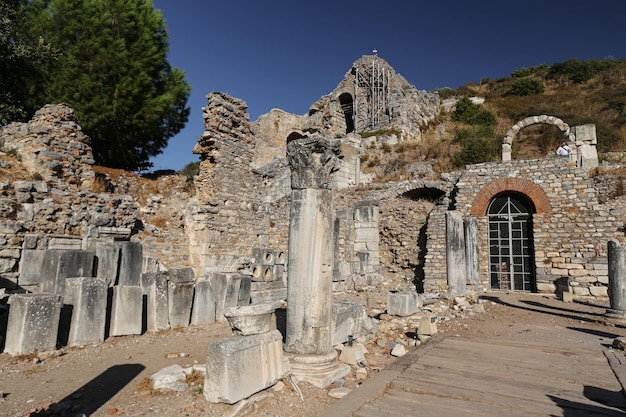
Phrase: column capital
(313, 161)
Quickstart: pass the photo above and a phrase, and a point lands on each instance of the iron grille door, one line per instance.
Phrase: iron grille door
(510, 254)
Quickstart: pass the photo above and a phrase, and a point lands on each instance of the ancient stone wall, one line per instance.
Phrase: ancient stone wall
(55, 201)
(53, 147)
(229, 218)
(570, 228)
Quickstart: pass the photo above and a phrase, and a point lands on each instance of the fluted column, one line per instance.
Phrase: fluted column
(311, 260)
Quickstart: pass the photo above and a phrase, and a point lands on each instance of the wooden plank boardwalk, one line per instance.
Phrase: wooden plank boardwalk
(459, 377)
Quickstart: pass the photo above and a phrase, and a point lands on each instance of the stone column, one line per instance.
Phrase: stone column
(455, 253)
(311, 262)
(617, 281)
(471, 251)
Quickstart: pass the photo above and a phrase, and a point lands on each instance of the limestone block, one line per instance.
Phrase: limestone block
(61, 264)
(203, 311)
(33, 323)
(31, 266)
(349, 319)
(264, 256)
(427, 326)
(180, 299)
(599, 291)
(567, 297)
(581, 291)
(225, 288)
(181, 275)
(88, 298)
(251, 319)
(546, 287)
(108, 258)
(59, 243)
(155, 287)
(403, 303)
(126, 310)
(131, 260)
(353, 355)
(242, 365)
(275, 291)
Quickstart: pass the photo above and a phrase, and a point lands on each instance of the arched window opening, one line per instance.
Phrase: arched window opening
(346, 102)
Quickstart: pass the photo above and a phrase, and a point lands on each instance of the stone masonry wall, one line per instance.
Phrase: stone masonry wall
(570, 229)
(53, 147)
(229, 218)
(58, 203)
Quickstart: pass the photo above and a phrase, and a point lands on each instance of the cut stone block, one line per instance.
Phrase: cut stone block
(31, 266)
(403, 303)
(154, 285)
(62, 264)
(126, 310)
(427, 326)
(33, 323)
(131, 261)
(348, 320)
(225, 288)
(107, 260)
(87, 297)
(181, 275)
(180, 298)
(243, 365)
(203, 311)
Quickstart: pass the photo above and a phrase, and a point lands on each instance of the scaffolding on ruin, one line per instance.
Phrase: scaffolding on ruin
(373, 84)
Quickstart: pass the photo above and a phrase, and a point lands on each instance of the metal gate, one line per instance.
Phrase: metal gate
(511, 262)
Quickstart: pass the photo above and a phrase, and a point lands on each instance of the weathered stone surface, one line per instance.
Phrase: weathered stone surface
(242, 365)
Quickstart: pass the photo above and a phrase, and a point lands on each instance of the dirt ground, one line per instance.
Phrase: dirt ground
(113, 378)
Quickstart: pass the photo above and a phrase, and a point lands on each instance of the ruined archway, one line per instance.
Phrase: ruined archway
(531, 120)
(523, 186)
(346, 102)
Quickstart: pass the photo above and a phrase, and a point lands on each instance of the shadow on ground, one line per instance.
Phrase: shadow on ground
(608, 403)
(94, 394)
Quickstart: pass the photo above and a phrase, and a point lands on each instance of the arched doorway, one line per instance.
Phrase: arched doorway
(511, 255)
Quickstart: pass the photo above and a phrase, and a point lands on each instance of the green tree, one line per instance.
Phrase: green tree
(114, 72)
(21, 55)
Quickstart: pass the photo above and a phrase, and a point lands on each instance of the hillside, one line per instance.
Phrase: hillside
(576, 92)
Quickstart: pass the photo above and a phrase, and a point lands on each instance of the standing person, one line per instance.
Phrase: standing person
(564, 150)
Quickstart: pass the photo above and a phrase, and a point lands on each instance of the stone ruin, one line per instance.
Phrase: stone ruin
(282, 211)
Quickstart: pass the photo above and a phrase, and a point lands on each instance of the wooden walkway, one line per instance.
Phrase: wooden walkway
(455, 377)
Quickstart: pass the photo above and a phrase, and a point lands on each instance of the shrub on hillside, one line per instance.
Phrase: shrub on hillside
(470, 113)
(475, 151)
(521, 72)
(527, 87)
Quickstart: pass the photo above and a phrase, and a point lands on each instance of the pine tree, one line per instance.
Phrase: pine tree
(21, 55)
(114, 72)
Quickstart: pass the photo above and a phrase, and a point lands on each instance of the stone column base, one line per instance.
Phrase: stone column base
(318, 370)
(615, 316)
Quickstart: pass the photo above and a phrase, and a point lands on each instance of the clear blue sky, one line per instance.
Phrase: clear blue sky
(287, 54)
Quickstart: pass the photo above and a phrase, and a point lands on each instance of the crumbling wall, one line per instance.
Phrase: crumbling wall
(229, 219)
(53, 147)
(56, 200)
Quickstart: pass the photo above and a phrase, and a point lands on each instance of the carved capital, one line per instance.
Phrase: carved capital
(313, 161)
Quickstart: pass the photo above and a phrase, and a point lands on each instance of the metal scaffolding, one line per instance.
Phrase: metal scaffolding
(374, 85)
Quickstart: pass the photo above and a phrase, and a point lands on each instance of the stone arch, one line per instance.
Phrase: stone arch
(531, 120)
(347, 106)
(520, 185)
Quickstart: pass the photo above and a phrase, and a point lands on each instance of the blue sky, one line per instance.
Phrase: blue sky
(287, 54)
